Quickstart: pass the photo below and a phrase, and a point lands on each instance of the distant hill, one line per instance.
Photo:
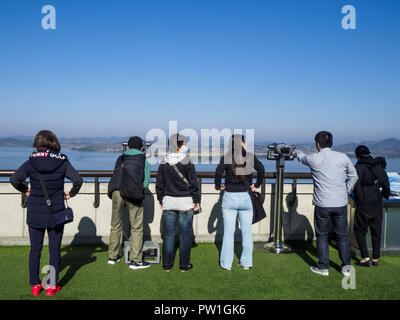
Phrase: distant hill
(389, 148)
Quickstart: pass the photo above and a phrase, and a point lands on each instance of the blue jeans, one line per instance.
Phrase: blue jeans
(234, 204)
(322, 219)
(185, 237)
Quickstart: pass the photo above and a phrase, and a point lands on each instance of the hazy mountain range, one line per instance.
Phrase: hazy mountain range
(389, 148)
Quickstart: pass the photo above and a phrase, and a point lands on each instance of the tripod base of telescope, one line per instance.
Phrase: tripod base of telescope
(279, 248)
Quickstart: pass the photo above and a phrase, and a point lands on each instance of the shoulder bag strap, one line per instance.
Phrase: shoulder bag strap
(44, 188)
(181, 175)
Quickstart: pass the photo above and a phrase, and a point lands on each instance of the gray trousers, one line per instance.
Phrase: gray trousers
(136, 220)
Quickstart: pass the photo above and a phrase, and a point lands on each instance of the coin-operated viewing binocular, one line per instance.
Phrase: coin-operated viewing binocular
(146, 145)
(280, 150)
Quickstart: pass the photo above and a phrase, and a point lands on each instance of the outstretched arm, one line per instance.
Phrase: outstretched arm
(303, 158)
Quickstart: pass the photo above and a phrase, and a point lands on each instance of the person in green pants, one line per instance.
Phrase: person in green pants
(134, 160)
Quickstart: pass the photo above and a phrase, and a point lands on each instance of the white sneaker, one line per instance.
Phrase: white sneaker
(114, 261)
(346, 270)
(322, 272)
(244, 268)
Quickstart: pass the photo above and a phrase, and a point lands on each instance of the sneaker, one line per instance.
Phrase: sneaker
(139, 265)
(37, 289)
(189, 267)
(346, 270)
(51, 291)
(227, 269)
(375, 263)
(114, 261)
(244, 268)
(167, 269)
(322, 272)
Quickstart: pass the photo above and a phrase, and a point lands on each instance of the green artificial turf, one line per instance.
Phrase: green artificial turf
(86, 275)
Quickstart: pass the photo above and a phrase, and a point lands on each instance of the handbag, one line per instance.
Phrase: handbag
(187, 182)
(60, 217)
(256, 200)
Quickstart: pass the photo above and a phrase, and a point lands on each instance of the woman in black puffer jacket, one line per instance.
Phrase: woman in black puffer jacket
(54, 168)
(371, 188)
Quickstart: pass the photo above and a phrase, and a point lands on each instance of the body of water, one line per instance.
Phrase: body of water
(11, 158)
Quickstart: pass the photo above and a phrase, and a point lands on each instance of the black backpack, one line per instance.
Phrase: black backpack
(131, 186)
(367, 190)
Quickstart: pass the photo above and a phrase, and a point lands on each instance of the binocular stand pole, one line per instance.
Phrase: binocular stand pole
(277, 245)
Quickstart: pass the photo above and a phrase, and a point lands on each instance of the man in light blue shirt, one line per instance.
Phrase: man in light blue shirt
(334, 177)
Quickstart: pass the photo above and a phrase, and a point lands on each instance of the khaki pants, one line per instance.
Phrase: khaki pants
(136, 220)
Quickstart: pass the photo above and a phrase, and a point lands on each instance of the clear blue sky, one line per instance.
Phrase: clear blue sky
(117, 68)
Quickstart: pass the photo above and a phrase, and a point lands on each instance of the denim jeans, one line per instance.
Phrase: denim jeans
(322, 219)
(234, 204)
(185, 237)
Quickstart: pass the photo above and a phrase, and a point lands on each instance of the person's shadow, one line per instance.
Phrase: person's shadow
(76, 255)
(295, 226)
(216, 225)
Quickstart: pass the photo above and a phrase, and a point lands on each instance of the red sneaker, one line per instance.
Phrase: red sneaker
(36, 289)
(51, 291)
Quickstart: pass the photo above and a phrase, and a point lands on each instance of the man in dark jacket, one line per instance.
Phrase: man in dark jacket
(372, 186)
(132, 163)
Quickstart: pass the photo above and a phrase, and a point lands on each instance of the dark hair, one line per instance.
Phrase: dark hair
(175, 142)
(324, 138)
(47, 139)
(135, 143)
(234, 140)
(362, 152)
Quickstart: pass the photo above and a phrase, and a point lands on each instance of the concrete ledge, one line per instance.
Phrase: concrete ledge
(91, 224)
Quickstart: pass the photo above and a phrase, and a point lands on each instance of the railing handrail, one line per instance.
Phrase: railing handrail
(200, 174)
(96, 174)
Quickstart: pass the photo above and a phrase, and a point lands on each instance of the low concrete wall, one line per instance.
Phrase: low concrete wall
(92, 225)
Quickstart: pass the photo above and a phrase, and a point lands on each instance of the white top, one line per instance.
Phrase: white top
(177, 203)
(334, 176)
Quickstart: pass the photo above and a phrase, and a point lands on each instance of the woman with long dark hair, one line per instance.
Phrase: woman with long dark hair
(46, 162)
(238, 165)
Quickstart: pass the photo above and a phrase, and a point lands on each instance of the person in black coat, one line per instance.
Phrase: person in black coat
(237, 164)
(371, 187)
(54, 167)
(179, 196)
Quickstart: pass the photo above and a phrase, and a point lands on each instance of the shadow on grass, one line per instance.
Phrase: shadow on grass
(77, 255)
(308, 252)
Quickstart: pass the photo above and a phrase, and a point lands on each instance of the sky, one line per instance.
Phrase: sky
(286, 69)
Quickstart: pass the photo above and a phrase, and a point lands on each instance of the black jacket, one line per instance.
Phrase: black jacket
(371, 177)
(54, 168)
(169, 183)
(235, 184)
(135, 163)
